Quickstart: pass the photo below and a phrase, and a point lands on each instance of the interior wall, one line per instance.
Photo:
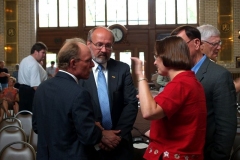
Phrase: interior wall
(27, 28)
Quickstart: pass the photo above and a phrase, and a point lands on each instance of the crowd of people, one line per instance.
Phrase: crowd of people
(87, 109)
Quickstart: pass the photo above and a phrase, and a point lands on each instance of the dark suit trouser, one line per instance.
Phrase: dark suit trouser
(26, 94)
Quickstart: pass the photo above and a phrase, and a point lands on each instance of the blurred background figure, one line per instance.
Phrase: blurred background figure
(51, 71)
(15, 73)
(3, 75)
(162, 81)
(31, 74)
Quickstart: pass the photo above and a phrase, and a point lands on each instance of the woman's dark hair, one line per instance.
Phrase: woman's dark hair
(174, 53)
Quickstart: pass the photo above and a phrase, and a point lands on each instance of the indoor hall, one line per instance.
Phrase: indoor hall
(140, 23)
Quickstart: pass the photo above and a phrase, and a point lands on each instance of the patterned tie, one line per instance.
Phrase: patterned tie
(103, 99)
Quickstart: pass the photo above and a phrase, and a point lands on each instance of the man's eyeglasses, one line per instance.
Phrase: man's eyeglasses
(189, 41)
(214, 44)
(86, 61)
(100, 45)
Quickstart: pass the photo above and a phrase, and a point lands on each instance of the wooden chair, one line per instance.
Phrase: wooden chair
(11, 135)
(26, 118)
(25, 153)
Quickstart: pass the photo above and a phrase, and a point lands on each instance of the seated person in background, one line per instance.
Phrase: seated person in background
(178, 114)
(154, 80)
(9, 98)
(162, 81)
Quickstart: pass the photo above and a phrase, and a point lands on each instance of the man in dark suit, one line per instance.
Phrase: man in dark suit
(62, 111)
(123, 104)
(220, 96)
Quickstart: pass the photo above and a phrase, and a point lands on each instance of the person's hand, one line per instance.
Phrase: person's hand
(104, 147)
(137, 65)
(237, 84)
(147, 133)
(99, 125)
(110, 139)
(5, 74)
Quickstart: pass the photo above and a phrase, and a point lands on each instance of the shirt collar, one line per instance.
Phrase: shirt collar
(198, 65)
(75, 78)
(96, 65)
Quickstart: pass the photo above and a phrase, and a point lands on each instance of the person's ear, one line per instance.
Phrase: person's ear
(89, 44)
(72, 63)
(197, 43)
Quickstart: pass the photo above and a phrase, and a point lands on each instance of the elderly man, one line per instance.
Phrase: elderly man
(220, 94)
(211, 41)
(62, 110)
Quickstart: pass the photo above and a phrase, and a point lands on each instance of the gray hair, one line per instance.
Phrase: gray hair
(208, 31)
(70, 50)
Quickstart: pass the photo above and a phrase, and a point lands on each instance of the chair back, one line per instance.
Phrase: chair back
(11, 135)
(26, 118)
(10, 121)
(33, 139)
(11, 153)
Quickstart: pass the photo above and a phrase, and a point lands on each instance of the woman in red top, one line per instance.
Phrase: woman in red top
(178, 113)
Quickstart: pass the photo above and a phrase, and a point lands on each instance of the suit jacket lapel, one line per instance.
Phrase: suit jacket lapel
(112, 80)
(203, 69)
(65, 76)
(92, 88)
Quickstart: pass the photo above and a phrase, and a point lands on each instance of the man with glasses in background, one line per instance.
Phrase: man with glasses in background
(113, 97)
(211, 41)
(219, 90)
(212, 44)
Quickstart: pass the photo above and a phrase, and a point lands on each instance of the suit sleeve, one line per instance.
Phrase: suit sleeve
(224, 103)
(130, 109)
(88, 132)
